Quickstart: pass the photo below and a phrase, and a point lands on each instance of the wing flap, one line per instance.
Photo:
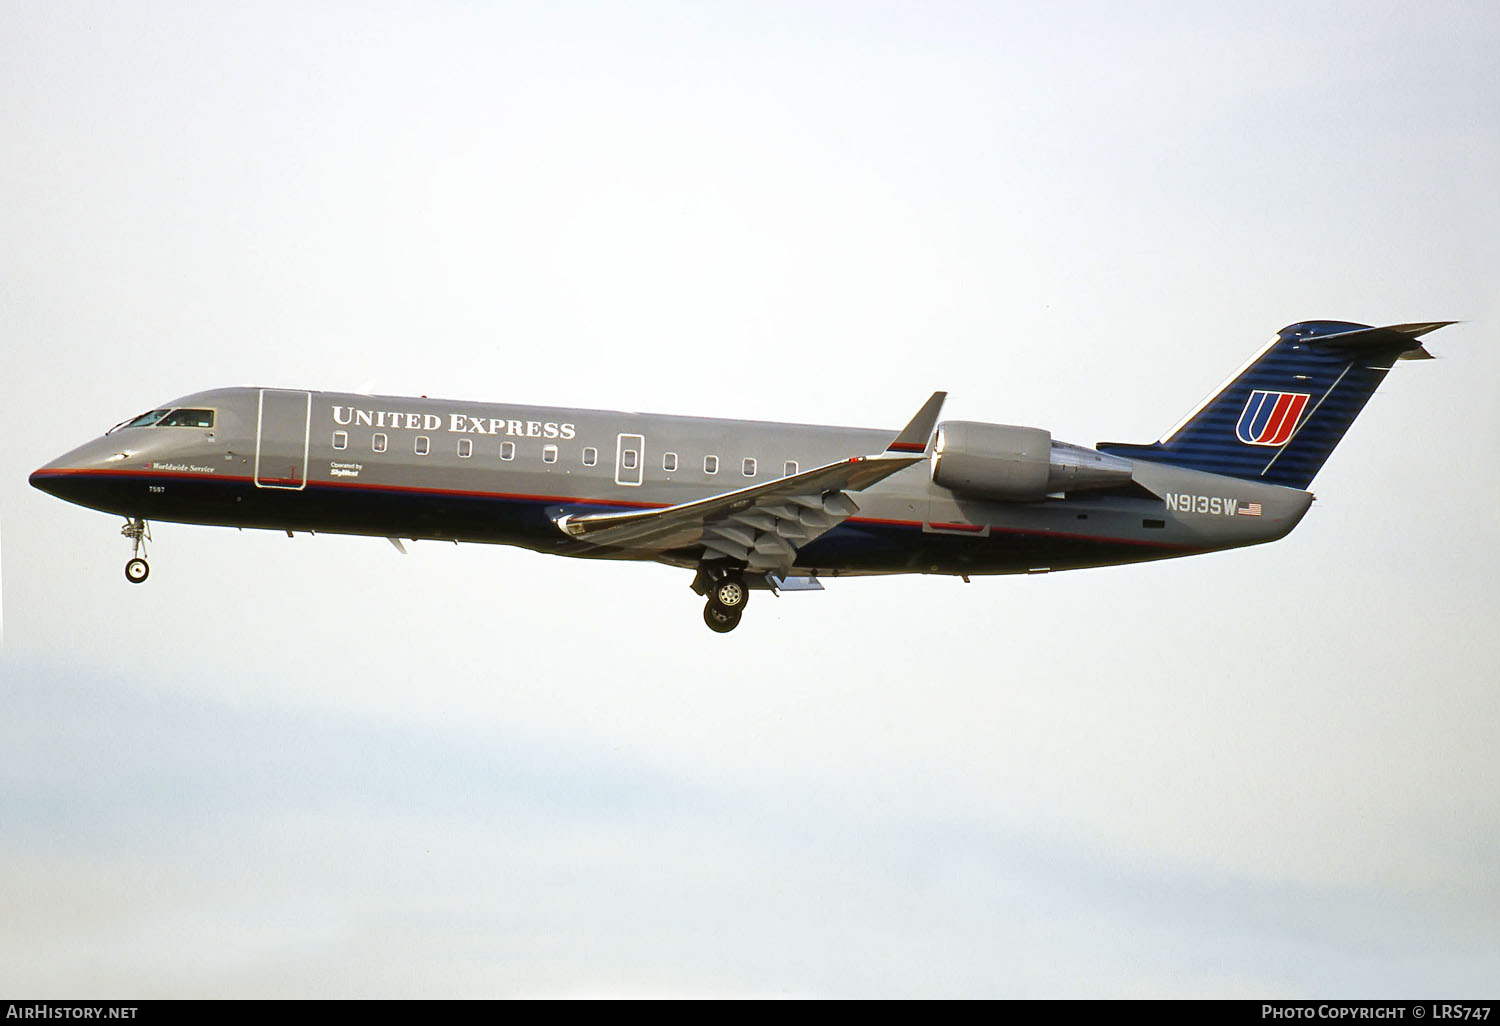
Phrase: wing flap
(747, 524)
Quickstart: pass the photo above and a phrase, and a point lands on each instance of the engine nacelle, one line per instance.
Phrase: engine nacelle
(1018, 464)
(996, 461)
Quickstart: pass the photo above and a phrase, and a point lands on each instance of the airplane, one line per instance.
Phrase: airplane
(747, 506)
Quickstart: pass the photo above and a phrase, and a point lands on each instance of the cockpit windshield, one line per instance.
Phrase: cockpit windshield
(188, 418)
(169, 418)
(144, 420)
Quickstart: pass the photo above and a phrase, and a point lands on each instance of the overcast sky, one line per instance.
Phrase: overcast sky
(313, 767)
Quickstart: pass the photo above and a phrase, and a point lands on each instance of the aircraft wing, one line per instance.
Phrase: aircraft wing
(763, 525)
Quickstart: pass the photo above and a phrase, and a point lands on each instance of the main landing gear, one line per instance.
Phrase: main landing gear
(139, 533)
(727, 597)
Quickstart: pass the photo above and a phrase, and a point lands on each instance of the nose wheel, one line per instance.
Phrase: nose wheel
(139, 533)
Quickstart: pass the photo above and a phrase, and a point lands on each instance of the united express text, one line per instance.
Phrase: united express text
(457, 423)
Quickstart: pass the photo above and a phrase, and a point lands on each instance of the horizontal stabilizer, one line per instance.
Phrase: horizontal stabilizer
(1392, 333)
(1400, 339)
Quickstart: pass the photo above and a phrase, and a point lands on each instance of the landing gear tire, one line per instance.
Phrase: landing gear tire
(719, 619)
(730, 595)
(139, 533)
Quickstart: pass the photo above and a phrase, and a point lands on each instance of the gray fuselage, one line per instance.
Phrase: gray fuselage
(485, 472)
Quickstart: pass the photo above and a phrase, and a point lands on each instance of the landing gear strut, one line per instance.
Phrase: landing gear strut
(727, 597)
(139, 533)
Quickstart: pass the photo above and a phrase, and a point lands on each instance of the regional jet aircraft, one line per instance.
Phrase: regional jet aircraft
(745, 505)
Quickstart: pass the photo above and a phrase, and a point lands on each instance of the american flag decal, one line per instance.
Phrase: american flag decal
(1250, 509)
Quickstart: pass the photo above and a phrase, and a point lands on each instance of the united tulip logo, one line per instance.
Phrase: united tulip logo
(1269, 418)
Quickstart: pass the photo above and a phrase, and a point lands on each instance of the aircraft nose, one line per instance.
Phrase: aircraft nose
(53, 476)
(63, 479)
(45, 478)
(80, 476)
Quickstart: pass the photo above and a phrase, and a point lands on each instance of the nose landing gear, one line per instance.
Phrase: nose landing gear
(139, 533)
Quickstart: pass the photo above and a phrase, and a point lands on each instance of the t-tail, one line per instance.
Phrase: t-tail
(1279, 417)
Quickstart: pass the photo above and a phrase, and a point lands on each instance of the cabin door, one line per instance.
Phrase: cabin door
(281, 438)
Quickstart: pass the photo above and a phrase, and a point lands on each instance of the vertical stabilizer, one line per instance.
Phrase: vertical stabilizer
(1279, 417)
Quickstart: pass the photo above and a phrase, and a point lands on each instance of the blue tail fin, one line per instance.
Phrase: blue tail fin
(1278, 419)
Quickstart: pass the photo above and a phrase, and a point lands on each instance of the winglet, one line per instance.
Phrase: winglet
(917, 435)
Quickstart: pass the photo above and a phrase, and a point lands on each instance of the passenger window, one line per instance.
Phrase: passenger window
(629, 459)
(341, 439)
(507, 450)
(789, 469)
(465, 448)
(590, 456)
(378, 442)
(748, 467)
(710, 464)
(669, 461)
(421, 445)
(549, 454)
